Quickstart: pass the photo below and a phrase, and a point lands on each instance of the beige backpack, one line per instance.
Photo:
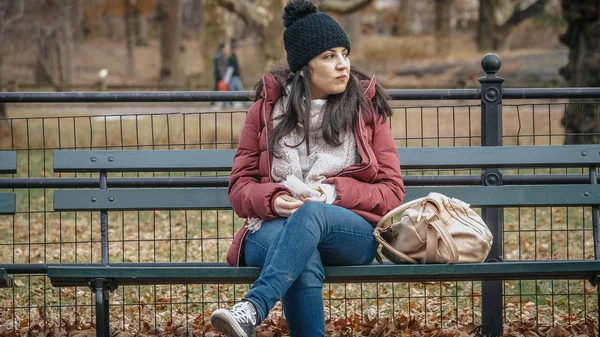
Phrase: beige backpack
(434, 229)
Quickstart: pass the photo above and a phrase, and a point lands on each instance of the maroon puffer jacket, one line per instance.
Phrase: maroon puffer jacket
(370, 188)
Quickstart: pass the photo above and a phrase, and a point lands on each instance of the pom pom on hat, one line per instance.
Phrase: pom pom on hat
(296, 10)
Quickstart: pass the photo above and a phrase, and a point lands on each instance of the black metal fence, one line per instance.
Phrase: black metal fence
(36, 236)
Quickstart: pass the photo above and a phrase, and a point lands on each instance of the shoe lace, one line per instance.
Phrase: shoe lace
(244, 313)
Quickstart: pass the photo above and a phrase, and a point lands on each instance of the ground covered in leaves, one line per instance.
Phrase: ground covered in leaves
(352, 326)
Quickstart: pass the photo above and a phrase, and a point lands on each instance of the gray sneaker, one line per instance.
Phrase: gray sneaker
(240, 321)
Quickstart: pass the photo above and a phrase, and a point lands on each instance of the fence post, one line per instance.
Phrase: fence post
(491, 135)
(596, 231)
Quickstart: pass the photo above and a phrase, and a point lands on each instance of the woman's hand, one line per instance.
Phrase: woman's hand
(321, 198)
(285, 205)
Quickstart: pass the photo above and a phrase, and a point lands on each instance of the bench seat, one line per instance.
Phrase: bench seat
(219, 273)
(5, 279)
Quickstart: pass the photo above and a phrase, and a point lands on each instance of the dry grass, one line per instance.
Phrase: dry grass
(155, 131)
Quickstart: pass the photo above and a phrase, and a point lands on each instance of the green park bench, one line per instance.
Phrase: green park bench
(490, 187)
(8, 165)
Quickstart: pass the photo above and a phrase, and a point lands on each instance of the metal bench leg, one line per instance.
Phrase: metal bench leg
(491, 308)
(102, 287)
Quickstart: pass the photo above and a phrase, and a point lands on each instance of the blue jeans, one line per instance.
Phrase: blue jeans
(292, 252)
(235, 84)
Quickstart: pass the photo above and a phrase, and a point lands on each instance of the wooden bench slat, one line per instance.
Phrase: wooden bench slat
(143, 160)
(217, 198)
(7, 203)
(8, 162)
(498, 156)
(217, 273)
(130, 199)
(410, 158)
(5, 279)
(515, 196)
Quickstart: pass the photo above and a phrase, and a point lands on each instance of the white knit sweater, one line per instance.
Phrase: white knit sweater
(323, 161)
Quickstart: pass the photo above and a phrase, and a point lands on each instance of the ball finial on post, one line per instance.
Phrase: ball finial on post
(491, 64)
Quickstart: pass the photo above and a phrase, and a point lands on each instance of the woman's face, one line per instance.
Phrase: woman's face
(329, 73)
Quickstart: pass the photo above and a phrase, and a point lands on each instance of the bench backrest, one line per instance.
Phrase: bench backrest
(8, 165)
(410, 158)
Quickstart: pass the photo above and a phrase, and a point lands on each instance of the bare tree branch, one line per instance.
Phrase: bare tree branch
(249, 12)
(343, 7)
(519, 15)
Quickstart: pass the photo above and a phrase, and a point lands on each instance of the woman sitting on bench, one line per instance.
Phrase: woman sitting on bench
(316, 167)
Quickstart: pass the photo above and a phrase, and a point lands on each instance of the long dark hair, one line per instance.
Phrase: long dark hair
(340, 112)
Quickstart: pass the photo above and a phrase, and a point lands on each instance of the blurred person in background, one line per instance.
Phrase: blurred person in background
(220, 68)
(235, 83)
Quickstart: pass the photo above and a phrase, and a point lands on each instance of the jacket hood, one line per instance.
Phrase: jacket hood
(369, 87)
(271, 88)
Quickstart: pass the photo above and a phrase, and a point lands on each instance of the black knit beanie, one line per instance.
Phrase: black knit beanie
(309, 32)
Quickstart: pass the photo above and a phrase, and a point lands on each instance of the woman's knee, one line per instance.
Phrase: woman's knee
(311, 219)
(313, 212)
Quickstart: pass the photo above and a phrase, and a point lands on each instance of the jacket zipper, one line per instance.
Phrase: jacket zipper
(264, 110)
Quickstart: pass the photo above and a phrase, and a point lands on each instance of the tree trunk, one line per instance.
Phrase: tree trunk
(351, 25)
(192, 14)
(67, 45)
(77, 13)
(47, 60)
(442, 25)
(407, 16)
(486, 28)
(169, 18)
(130, 35)
(141, 29)
(144, 11)
(12, 11)
(271, 43)
(581, 121)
